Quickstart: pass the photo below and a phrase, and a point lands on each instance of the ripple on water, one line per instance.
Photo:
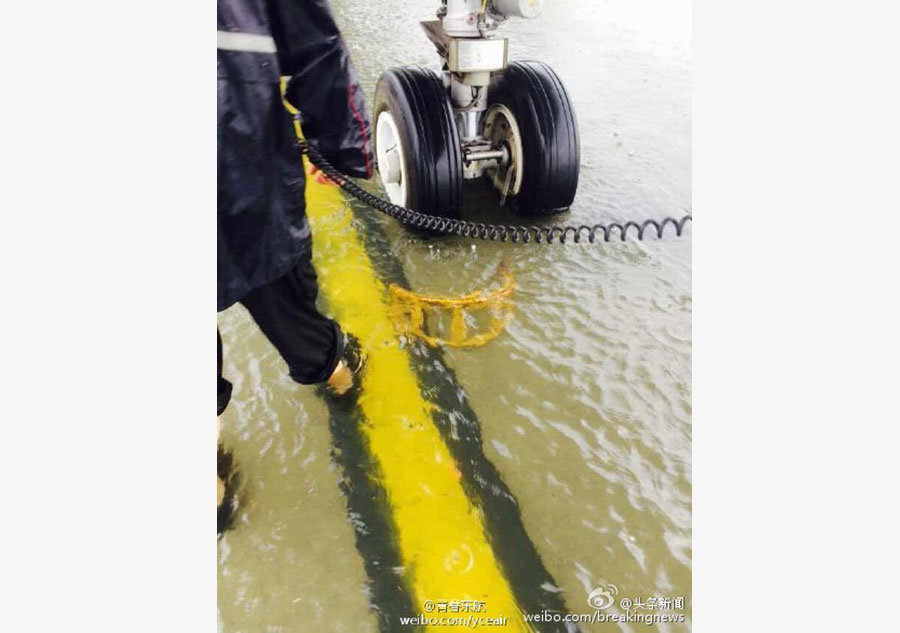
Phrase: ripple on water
(584, 402)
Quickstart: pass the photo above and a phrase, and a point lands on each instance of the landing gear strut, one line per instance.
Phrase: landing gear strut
(512, 123)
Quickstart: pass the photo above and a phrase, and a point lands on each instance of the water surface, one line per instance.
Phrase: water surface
(585, 400)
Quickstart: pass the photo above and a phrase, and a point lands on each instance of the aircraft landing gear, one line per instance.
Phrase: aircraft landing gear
(483, 117)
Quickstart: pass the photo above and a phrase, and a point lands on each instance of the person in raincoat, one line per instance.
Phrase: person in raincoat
(264, 247)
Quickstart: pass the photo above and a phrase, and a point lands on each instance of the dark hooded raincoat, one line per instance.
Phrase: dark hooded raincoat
(262, 228)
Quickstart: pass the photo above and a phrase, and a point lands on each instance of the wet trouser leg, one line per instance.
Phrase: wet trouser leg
(285, 310)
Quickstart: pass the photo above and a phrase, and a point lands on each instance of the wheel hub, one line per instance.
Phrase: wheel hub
(391, 158)
(502, 130)
(391, 167)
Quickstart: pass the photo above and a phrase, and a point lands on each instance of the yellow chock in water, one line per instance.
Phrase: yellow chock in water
(410, 309)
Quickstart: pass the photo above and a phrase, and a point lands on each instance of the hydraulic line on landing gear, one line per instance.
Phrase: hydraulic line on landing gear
(492, 232)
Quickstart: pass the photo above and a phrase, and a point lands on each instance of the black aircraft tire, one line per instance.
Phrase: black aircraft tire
(417, 101)
(549, 131)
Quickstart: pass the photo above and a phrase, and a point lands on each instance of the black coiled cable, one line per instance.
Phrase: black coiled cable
(492, 232)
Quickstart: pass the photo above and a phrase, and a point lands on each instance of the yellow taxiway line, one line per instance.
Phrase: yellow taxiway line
(441, 535)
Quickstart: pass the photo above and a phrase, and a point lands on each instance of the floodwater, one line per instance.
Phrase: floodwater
(583, 403)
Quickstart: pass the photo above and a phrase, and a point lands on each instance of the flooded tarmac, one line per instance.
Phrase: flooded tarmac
(583, 403)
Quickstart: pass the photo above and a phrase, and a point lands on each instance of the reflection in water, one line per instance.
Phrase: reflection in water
(583, 403)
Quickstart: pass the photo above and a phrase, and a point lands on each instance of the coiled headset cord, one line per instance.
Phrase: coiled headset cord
(492, 232)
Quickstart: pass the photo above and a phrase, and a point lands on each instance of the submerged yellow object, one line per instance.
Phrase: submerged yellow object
(410, 310)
